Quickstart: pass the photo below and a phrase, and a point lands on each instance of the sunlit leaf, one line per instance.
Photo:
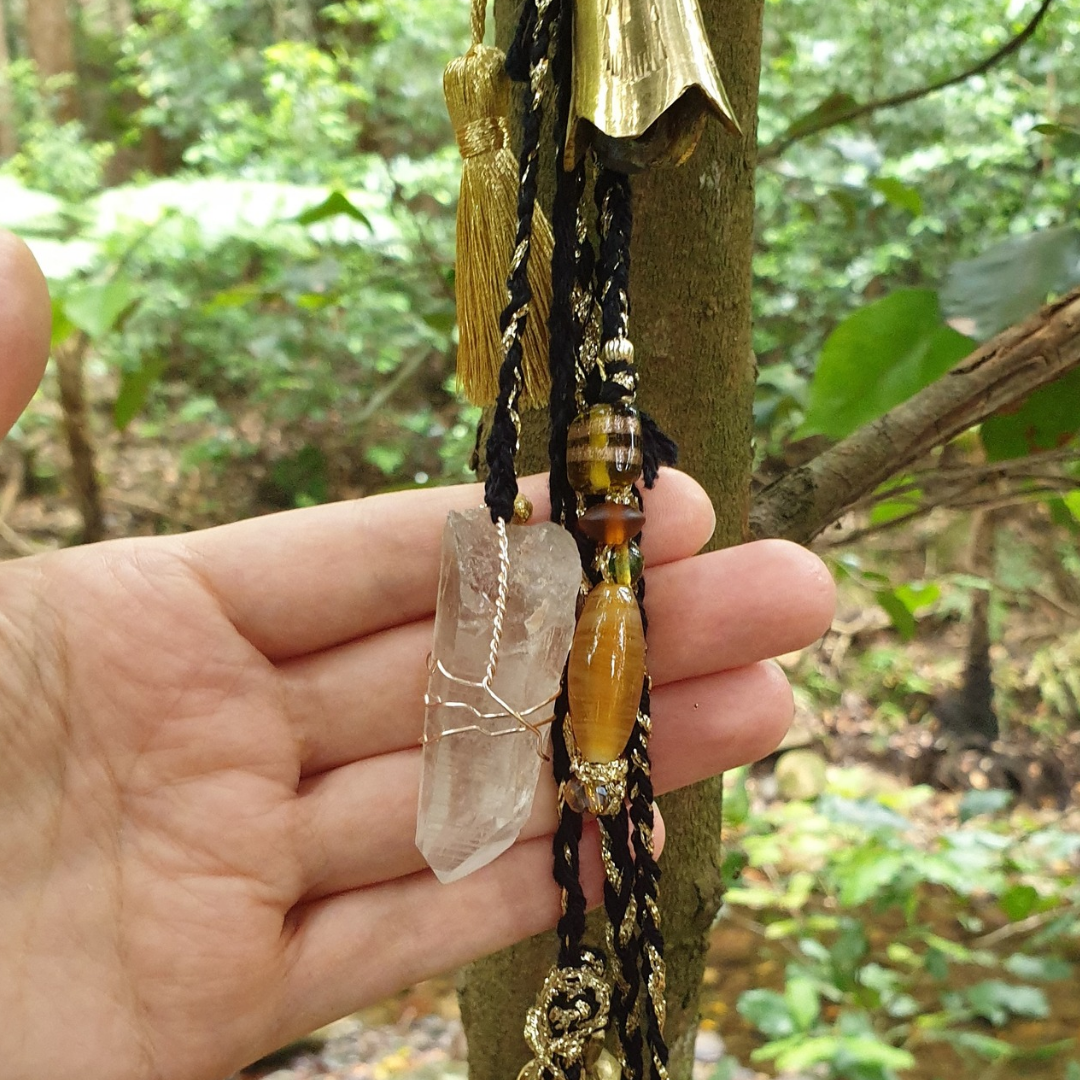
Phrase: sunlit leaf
(803, 1002)
(867, 873)
(768, 1011)
(996, 1001)
(865, 814)
(899, 613)
(1011, 279)
(879, 357)
(986, 1046)
(1066, 139)
(62, 326)
(134, 389)
(97, 308)
(1019, 901)
(899, 194)
(335, 204)
(1042, 968)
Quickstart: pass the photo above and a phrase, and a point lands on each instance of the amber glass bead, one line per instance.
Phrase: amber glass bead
(603, 449)
(607, 666)
(611, 523)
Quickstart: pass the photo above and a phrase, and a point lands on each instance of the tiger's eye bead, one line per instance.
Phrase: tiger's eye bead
(611, 523)
(607, 666)
(603, 449)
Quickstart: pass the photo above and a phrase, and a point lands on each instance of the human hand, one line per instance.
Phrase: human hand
(210, 760)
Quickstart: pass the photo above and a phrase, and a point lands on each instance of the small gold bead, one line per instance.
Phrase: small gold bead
(619, 348)
(523, 508)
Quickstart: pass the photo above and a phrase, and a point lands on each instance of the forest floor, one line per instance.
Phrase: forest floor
(865, 700)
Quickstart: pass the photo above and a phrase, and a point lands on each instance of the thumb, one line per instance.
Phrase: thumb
(25, 327)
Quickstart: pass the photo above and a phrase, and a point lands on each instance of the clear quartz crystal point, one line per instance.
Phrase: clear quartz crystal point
(477, 786)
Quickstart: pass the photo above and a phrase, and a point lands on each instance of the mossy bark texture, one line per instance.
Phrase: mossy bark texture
(693, 239)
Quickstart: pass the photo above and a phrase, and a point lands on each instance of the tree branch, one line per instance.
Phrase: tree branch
(1000, 373)
(829, 119)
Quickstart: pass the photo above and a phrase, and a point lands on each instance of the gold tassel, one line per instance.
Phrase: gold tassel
(478, 99)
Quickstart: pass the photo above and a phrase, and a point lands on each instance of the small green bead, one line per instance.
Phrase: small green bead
(621, 564)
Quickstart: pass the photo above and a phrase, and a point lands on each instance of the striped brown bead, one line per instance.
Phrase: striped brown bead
(603, 449)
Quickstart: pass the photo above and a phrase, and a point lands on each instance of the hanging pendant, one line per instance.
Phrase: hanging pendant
(644, 83)
(503, 627)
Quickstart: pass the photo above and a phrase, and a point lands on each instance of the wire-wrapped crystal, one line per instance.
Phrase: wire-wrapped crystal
(503, 627)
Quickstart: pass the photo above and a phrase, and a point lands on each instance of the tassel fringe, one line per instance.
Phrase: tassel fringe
(477, 92)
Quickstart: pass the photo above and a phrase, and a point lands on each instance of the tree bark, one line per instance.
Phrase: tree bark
(70, 360)
(690, 285)
(52, 48)
(999, 374)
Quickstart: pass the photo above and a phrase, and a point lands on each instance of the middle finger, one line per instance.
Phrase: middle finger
(707, 614)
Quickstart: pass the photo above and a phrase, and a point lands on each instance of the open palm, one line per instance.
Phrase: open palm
(211, 761)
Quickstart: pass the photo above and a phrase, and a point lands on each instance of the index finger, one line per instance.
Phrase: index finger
(307, 580)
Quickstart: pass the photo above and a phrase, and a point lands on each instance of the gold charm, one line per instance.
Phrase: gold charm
(570, 1015)
(644, 82)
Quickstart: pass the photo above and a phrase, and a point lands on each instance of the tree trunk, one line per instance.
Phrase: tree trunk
(70, 362)
(52, 48)
(691, 328)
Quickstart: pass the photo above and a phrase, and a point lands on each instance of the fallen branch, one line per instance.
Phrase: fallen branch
(856, 112)
(999, 374)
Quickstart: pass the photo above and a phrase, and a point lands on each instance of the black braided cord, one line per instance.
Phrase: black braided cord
(501, 487)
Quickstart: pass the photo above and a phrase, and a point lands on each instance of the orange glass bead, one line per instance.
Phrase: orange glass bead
(607, 666)
(611, 523)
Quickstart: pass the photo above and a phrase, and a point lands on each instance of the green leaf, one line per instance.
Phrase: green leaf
(824, 113)
(336, 203)
(62, 326)
(1066, 139)
(98, 308)
(135, 387)
(894, 509)
(986, 1046)
(1019, 901)
(1041, 968)
(768, 1012)
(803, 1002)
(855, 1049)
(996, 1001)
(867, 873)
(1046, 420)
(899, 194)
(736, 798)
(899, 613)
(1072, 503)
(1011, 280)
(867, 814)
(1072, 1071)
(237, 296)
(877, 358)
(973, 803)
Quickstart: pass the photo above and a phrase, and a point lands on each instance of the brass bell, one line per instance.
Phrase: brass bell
(644, 83)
